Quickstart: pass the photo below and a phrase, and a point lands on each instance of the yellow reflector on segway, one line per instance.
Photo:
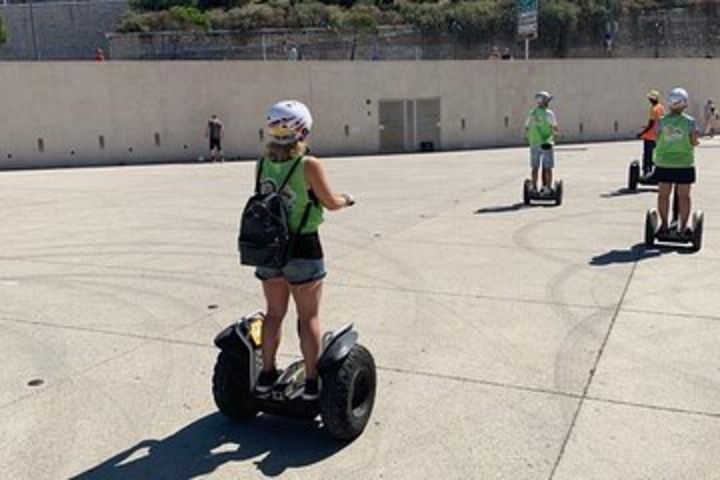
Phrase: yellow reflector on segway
(256, 332)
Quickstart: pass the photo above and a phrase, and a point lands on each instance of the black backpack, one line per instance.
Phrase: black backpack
(265, 238)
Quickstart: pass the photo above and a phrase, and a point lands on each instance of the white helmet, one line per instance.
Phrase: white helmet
(289, 121)
(543, 97)
(678, 97)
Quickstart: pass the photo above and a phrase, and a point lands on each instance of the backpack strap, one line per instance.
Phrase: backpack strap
(290, 174)
(305, 217)
(258, 173)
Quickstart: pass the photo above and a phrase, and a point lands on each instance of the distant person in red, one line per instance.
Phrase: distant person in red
(99, 55)
(215, 132)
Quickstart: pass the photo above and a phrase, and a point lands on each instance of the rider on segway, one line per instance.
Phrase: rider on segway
(650, 133)
(678, 136)
(302, 182)
(542, 128)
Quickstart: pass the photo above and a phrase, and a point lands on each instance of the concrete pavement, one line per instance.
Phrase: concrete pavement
(512, 343)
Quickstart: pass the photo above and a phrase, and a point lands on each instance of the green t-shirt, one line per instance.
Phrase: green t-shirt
(540, 124)
(674, 146)
(296, 193)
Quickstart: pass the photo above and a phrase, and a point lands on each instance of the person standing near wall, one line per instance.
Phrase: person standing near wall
(215, 132)
(650, 132)
(542, 129)
(710, 116)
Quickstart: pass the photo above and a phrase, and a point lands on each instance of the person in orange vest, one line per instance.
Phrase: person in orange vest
(650, 133)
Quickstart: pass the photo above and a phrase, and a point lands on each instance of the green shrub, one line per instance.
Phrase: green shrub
(131, 22)
(558, 23)
(361, 18)
(475, 20)
(307, 15)
(429, 18)
(249, 17)
(188, 18)
(176, 18)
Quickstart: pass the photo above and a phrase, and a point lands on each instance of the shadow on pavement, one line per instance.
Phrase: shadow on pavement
(621, 192)
(199, 448)
(636, 253)
(510, 208)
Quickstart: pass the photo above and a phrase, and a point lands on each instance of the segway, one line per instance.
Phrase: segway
(531, 194)
(672, 236)
(346, 373)
(636, 177)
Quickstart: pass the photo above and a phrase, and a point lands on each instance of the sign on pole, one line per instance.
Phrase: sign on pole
(528, 18)
(527, 22)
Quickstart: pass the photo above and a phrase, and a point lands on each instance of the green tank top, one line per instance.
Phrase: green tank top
(296, 193)
(674, 148)
(540, 129)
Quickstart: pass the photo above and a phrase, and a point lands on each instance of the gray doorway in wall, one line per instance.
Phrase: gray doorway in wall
(409, 125)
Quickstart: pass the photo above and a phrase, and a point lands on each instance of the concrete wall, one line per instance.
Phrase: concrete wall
(69, 105)
(63, 30)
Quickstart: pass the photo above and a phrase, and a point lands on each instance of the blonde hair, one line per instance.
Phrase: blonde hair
(282, 153)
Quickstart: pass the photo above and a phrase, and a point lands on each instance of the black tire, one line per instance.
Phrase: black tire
(558, 193)
(231, 388)
(633, 176)
(698, 223)
(526, 192)
(649, 229)
(347, 395)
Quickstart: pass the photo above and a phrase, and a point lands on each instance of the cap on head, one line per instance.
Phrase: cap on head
(289, 121)
(678, 97)
(653, 95)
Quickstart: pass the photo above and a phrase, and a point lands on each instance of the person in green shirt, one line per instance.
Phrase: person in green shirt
(306, 194)
(542, 127)
(678, 135)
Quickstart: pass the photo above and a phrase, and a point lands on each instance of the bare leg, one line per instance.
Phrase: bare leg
(534, 176)
(547, 177)
(685, 204)
(277, 294)
(307, 302)
(663, 204)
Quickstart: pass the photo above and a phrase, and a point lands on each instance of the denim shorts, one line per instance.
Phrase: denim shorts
(297, 271)
(540, 158)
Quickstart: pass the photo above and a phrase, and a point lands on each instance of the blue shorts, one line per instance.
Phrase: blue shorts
(297, 271)
(540, 158)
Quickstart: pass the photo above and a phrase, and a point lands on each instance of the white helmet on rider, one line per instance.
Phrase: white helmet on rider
(678, 97)
(543, 97)
(289, 121)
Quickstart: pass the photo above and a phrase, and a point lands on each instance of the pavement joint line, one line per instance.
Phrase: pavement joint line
(454, 378)
(105, 332)
(471, 295)
(650, 406)
(691, 316)
(593, 370)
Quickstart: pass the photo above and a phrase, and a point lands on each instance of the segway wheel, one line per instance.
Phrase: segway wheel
(649, 229)
(558, 193)
(526, 192)
(698, 220)
(633, 176)
(231, 388)
(347, 394)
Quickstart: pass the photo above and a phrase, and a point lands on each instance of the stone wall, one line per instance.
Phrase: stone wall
(63, 30)
(671, 33)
